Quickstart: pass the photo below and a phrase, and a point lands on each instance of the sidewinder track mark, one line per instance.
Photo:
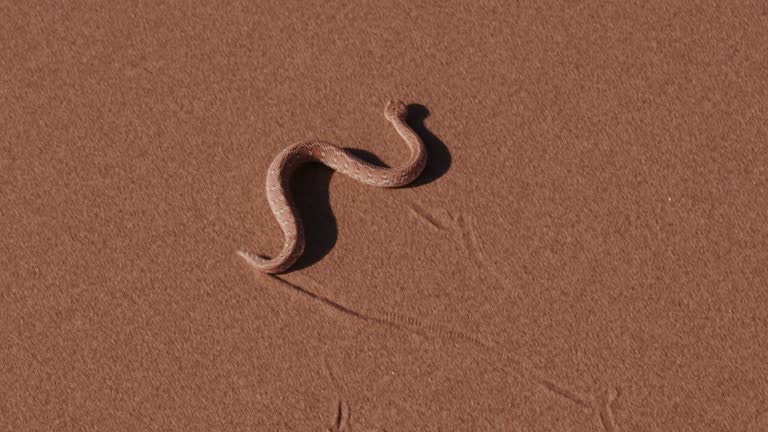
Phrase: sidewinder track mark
(605, 412)
(349, 312)
(565, 393)
(474, 247)
(510, 364)
(341, 424)
(464, 227)
(278, 181)
(424, 215)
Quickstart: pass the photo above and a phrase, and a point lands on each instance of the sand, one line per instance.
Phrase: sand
(586, 251)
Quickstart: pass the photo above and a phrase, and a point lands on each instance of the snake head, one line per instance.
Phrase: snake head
(395, 110)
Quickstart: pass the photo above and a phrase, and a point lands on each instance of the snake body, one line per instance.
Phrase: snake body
(340, 160)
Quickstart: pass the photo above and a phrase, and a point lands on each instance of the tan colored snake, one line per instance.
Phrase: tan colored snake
(338, 159)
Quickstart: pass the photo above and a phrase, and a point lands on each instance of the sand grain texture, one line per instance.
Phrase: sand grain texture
(586, 250)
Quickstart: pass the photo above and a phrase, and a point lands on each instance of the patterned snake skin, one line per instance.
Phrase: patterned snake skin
(341, 160)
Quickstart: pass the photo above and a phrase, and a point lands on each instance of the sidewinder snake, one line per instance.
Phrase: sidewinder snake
(278, 181)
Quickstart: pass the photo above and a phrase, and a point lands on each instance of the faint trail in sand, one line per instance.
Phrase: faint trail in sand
(342, 422)
(504, 363)
(463, 227)
(423, 214)
(344, 310)
(606, 414)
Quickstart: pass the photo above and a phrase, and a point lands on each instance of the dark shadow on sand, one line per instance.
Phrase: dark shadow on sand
(310, 188)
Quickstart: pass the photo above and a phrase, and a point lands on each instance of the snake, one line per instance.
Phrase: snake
(340, 160)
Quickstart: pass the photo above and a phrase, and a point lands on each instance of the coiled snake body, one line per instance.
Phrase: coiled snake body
(338, 159)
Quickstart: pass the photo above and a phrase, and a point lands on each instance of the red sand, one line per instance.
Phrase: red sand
(587, 251)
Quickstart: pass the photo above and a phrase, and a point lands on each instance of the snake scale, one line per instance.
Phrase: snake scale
(341, 160)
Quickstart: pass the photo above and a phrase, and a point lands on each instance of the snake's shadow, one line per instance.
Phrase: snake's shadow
(310, 187)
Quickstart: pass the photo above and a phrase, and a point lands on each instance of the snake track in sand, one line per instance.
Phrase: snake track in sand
(340, 160)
